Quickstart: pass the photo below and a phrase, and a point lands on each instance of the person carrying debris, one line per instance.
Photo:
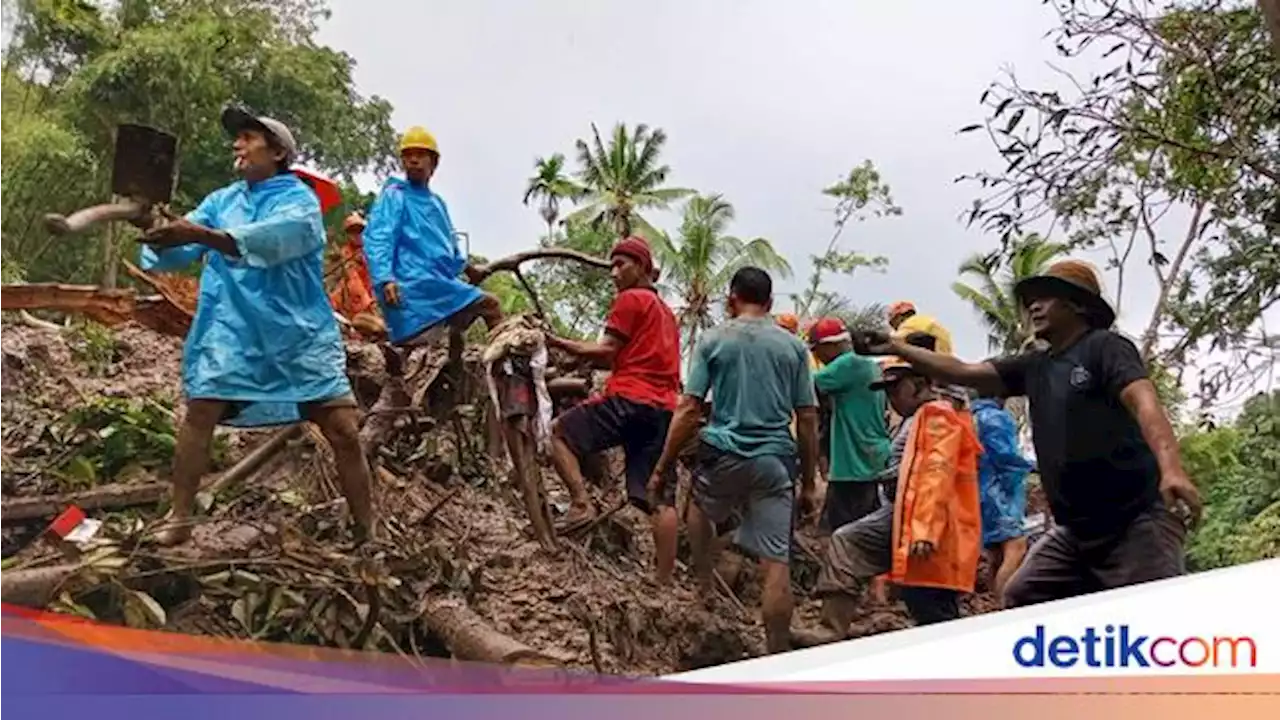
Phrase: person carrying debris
(264, 347)
(1002, 475)
(904, 320)
(928, 539)
(859, 442)
(414, 258)
(641, 347)
(759, 377)
(1107, 455)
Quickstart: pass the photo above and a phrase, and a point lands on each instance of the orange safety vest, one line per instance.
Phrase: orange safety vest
(354, 294)
(937, 501)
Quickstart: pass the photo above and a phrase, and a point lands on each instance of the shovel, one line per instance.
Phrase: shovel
(142, 175)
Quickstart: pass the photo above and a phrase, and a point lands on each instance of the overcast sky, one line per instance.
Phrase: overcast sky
(765, 102)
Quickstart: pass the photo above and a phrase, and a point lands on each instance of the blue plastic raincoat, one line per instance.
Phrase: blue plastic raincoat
(264, 337)
(1002, 473)
(409, 241)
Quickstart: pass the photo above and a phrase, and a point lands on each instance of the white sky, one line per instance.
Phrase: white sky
(766, 102)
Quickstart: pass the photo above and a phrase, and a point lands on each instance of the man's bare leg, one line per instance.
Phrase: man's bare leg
(1011, 554)
(700, 531)
(570, 472)
(776, 605)
(341, 427)
(665, 531)
(190, 463)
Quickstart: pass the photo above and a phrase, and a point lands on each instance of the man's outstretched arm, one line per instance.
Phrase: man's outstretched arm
(600, 354)
(939, 366)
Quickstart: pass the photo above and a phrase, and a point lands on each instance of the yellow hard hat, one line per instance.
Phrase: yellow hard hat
(418, 137)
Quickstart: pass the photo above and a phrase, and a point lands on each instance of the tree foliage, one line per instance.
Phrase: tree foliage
(1172, 151)
(860, 195)
(993, 277)
(623, 178)
(79, 69)
(698, 265)
(1237, 469)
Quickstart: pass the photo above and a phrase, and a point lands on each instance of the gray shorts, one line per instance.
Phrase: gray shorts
(759, 488)
(858, 552)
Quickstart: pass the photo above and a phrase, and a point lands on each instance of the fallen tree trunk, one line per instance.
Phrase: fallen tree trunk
(469, 637)
(250, 463)
(105, 497)
(34, 588)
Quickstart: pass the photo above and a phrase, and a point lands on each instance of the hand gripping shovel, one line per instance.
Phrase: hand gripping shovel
(142, 176)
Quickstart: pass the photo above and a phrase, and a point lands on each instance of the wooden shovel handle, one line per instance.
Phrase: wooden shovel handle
(82, 220)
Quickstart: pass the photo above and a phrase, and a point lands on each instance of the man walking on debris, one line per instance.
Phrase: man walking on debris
(1108, 457)
(1002, 475)
(859, 443)
(758, 376)
(641, 347)
(264, 347)
(927, 540)
(414, 258)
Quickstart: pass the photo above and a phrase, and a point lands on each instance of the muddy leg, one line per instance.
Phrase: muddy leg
(1010, 553)
(190, 463)
(341, 427)
(570, 472)
(700, 530)
(776, 604)
(665, 531)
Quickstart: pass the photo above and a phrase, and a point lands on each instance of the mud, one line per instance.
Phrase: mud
(453, 525)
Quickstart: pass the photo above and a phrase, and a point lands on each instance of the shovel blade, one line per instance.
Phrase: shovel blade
(145, 161)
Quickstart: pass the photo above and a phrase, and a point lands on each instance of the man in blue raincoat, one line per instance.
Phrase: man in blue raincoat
(1002, 474)
(264, 347)
(414, 259)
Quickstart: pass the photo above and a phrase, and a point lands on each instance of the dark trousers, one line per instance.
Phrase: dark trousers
(1063, 565)
(930, 605)
(848, 501)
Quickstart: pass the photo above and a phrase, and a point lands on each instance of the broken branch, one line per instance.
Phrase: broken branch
(512, 262)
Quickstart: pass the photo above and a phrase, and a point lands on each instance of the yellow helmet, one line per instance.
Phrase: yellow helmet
(418, 137)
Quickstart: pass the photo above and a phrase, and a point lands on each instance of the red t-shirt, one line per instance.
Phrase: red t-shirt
(647, 367)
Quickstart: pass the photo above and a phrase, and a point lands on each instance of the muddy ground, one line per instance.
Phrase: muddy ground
(272, 561)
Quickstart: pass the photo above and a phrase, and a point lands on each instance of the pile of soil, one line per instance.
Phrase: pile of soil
(273, 560)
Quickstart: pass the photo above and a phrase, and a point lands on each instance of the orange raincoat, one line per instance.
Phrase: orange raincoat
(354, 294)
(937, 501)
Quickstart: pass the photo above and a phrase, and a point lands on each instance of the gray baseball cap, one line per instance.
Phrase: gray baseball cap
(235, 119)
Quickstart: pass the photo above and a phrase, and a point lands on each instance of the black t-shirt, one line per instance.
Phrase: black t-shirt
(1098, 471)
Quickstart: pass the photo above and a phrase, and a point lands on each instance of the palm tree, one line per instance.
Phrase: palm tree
(991, 293)
(697, 270)
(550, 185)
(624, 178)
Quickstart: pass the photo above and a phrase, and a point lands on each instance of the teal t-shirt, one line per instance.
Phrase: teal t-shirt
(859, 438)
(757, 374)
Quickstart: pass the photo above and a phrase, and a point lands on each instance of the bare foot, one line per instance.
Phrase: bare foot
(175, 532)
(579, 517)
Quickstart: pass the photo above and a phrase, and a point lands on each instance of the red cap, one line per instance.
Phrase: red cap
(637, 249)
(827, 330)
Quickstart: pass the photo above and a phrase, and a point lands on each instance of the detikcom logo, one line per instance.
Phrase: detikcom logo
(1119, 646)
